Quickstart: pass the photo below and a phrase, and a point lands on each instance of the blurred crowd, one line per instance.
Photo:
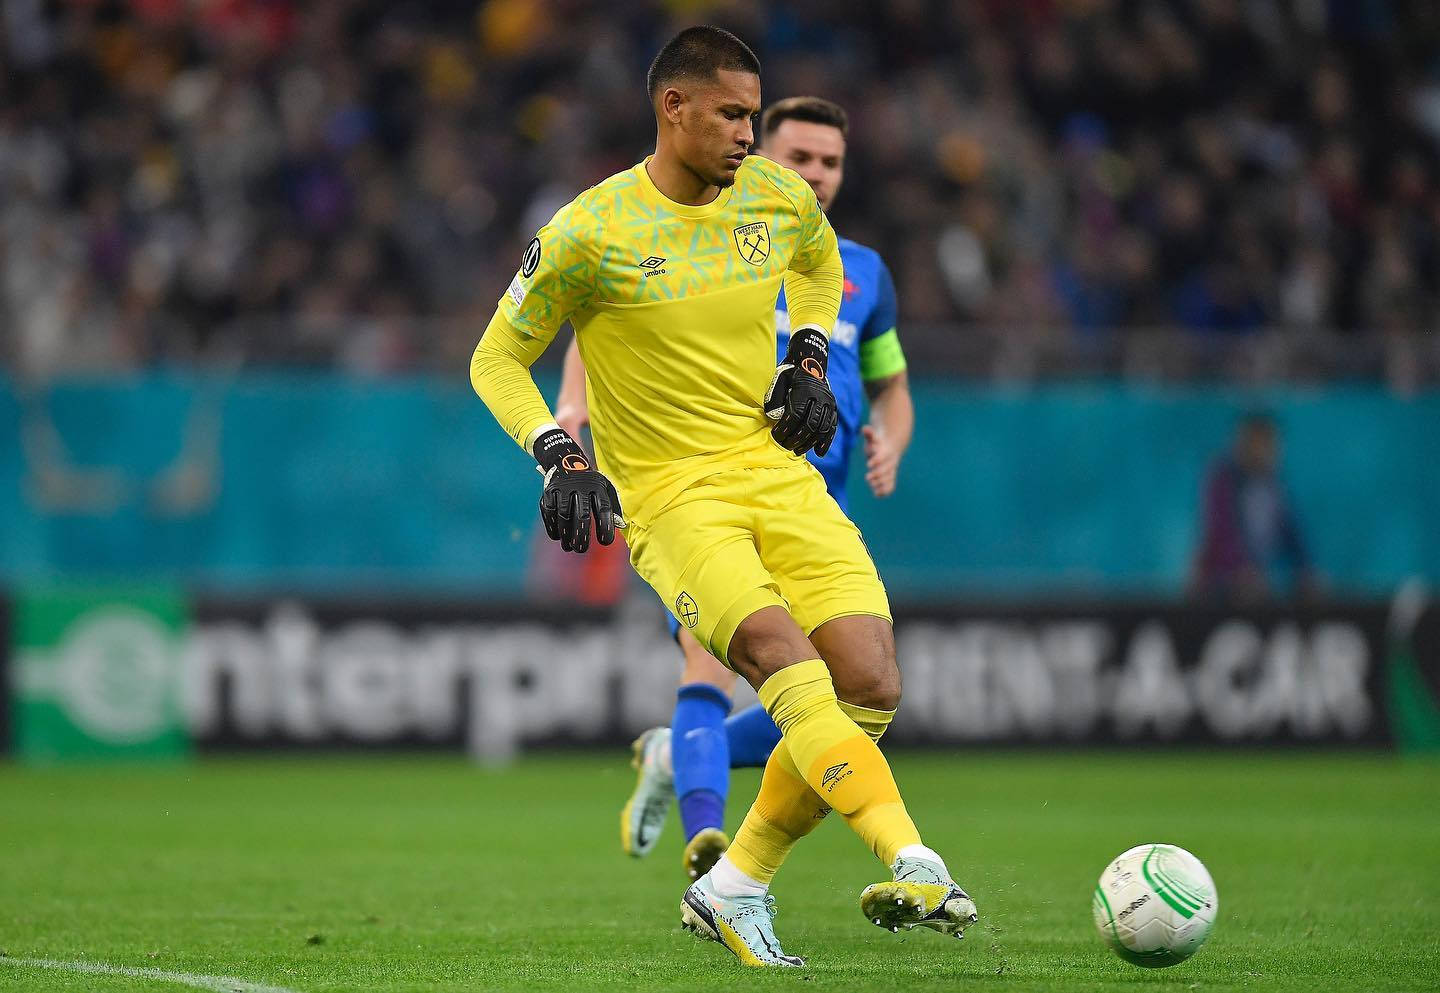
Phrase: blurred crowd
(344, 183)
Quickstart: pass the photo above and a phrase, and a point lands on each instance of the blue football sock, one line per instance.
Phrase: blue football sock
(752, 736)
(700, 755)
(701, 809)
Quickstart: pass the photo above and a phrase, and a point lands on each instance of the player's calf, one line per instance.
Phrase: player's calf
(700, 748)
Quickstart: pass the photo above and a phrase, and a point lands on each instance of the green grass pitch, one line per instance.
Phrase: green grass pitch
(427, 874)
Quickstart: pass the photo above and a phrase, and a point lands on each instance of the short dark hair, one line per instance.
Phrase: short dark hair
(814, 110)
(699, 53)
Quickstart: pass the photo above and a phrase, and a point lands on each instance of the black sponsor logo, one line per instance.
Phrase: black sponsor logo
(1134, 906)
(835, 775)
(530, 261)
(653, 266)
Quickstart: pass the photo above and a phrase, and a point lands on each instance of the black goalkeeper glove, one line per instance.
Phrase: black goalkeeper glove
(574, 493)
(799, 400)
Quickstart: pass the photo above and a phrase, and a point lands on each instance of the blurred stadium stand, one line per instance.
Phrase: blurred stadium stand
(348, 184)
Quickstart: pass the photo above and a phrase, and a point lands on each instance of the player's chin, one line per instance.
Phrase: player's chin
(727, 172)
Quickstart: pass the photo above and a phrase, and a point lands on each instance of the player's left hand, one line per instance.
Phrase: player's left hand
(882, 461)
(799, 400)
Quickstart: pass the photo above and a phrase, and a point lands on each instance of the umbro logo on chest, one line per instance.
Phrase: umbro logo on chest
(653, 266)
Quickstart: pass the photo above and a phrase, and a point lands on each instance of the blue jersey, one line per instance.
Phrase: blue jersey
(867, 312)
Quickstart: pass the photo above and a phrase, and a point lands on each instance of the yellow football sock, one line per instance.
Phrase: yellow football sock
(872, 722)
(787, 809)
(837, 759)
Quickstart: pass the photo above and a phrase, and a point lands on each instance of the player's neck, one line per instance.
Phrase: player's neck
(677, 182)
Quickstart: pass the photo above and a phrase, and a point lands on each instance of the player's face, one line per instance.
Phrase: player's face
(815, 151)
(716, 127)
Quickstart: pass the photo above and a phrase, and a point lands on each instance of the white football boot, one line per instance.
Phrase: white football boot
(643, 817)
(742, 924)
(922, 894)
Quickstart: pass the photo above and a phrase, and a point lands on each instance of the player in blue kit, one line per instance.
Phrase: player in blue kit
(691, 759)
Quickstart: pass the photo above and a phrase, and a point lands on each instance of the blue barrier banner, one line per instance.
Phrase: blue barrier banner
(315, 482)
(1095, 490)
(293, 481)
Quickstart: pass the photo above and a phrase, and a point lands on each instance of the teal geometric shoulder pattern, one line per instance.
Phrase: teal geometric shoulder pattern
(689, 257)
(557, 273)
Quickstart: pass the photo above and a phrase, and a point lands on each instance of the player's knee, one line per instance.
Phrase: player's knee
(877, 688)
(702, 667)
(875, 683)
(887, 690)
(766, 642)
(860, 651)
(766, 652)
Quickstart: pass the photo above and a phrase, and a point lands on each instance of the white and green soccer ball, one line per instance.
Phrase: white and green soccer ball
(1155, 905)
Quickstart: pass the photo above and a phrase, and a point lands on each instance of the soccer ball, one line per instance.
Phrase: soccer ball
(1155, 905)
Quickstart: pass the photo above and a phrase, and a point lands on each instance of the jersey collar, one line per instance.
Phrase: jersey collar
(653, 194)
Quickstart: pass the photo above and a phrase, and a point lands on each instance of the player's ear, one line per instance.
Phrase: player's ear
(671, 100)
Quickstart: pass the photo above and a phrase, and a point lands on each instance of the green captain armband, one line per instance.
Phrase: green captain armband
(881, 357)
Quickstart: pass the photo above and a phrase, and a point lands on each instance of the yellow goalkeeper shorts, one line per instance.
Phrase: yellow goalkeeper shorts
(747, 538)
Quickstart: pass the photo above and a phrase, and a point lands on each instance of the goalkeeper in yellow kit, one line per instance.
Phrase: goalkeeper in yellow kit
(669, 273)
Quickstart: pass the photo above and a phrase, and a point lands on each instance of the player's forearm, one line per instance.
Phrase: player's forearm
(572, 379)
(892, 412)
(500, 373)
(813, 296)
(572, 407)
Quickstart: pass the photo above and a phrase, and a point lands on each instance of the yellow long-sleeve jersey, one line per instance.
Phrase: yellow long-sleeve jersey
(674, 311)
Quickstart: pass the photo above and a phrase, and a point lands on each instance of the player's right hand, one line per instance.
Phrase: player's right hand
(572, 418)
(574, 494)
(882, 461)
(799, 400)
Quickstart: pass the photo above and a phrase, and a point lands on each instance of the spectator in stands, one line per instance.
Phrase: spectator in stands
(348, 183)
(1250, 546)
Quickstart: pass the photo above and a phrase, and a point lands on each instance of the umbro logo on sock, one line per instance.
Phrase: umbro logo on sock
(834, 775)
